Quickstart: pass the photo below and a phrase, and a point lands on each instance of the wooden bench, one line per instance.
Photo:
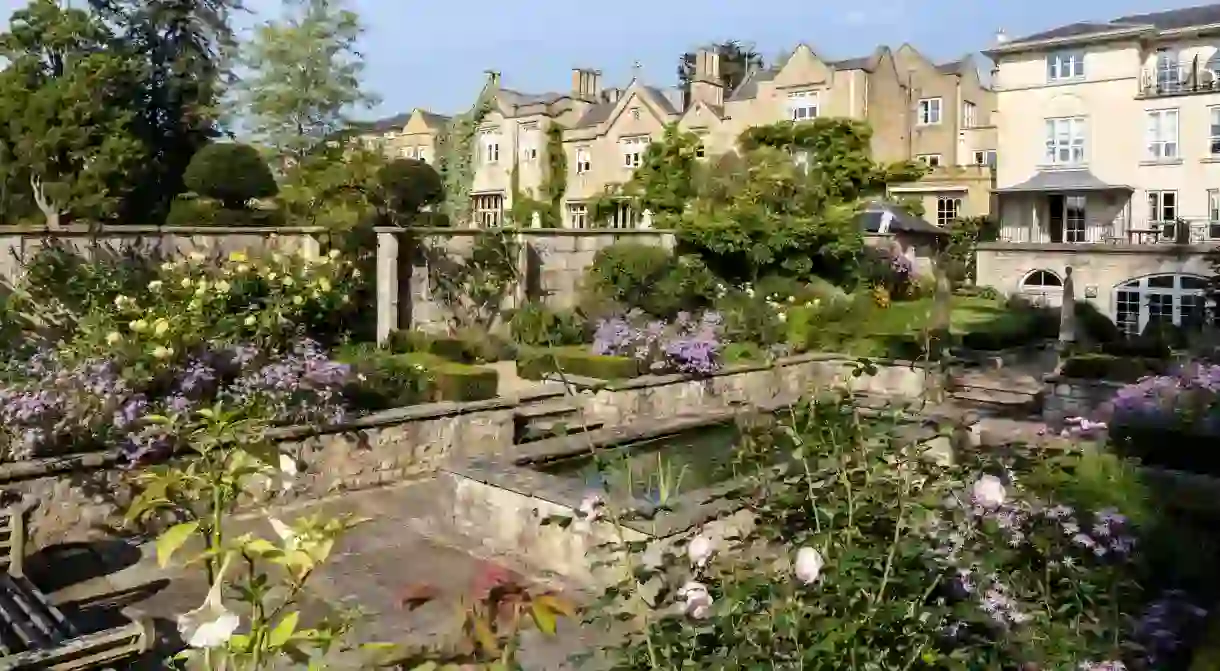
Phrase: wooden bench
(34, 634)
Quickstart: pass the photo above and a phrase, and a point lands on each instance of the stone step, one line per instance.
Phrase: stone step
(987, 397)
(563, 406)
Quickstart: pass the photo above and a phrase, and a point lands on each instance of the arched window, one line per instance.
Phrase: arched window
(1171, 298)
(1041, 279)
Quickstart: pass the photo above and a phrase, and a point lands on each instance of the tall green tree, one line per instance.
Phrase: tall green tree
(186, 47)
(67, 139)
(305, 77)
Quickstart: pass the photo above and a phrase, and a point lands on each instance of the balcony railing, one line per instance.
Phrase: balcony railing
(1185, 79)
(1152, 233)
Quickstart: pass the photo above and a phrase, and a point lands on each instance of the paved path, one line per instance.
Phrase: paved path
(372, 568)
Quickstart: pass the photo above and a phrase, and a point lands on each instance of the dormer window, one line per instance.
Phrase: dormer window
(1168, 70)
(803, 105)
(1064, 65)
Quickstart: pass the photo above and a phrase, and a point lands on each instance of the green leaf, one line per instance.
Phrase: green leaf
(260, 547)
(172, 540)
(283, 631)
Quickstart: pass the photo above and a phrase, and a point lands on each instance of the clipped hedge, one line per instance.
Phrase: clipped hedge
(537, 363)
(468, 348)
(395, 380)
(187, 211)
(1111, 368)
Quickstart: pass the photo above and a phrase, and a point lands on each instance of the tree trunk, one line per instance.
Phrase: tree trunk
(49, 210)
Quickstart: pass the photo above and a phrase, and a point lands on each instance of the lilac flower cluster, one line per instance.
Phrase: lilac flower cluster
(49, 407)
(1188, 396)
(900, 265)
(1161, 627)
(688, 345)
(1108, 665)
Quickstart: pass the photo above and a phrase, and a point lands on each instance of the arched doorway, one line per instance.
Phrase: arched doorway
(1173, 298)
(1042, 287)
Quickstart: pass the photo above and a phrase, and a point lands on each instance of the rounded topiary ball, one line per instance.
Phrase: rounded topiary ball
(408, 185)
(231, 173)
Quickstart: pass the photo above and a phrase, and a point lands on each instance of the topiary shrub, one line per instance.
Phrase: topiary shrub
(652, 279)
(537, 363)
(1112, 368)
(406, 186)
(231, 173)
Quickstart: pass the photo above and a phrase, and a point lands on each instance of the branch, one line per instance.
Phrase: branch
(49, 210)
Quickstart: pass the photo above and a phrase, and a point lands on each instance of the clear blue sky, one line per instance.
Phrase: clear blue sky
(433, 54)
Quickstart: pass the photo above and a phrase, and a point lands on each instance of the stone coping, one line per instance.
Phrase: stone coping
(84, 230)
(515, 472)
(571, 232)
(1092, 248)
(1053, 378)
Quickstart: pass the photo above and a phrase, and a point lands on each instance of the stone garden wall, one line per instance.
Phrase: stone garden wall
(82, 496)
(550, 267)
(1067, 397)
(19, 243)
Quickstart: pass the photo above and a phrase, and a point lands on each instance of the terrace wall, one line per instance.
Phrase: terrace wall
(18, 244)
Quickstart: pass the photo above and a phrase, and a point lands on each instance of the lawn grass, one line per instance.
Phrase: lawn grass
(900, 329)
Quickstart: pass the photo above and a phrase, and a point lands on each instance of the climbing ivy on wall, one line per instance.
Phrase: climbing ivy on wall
(456, 156)
(549, 203)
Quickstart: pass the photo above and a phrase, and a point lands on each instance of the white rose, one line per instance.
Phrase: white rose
(988, 491)
(155, 285)
(809, 565)
(113, 338)
(699, 550)
(696, 601)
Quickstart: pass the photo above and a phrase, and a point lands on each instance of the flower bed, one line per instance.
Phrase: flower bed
(687, 345)
(1171, 420)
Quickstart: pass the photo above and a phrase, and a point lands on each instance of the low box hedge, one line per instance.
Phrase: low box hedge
(469, 348)
(537, 363)
(393, 380)
(1111, 368)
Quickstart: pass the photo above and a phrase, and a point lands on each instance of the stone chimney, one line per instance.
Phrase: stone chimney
(1001, 37)
(586, 83)
(493, 78)
(706, 84)
(611, 95)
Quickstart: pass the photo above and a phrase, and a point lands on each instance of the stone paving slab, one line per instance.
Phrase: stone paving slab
(372, 568)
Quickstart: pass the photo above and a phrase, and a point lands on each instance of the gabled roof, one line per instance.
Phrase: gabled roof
(396, 122)
(748, 88)
(665, 99)
(519, 98)
(1168, 20)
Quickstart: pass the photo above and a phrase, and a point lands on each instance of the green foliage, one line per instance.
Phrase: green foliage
(737, 59)
(664, 183)
(304, 77)
(1096, 366)
(475, 285)
(760, 214)
(406, 186)
(964, 236)
(537, 325)
(455, 156)
(452, 381)
(231, 173)
(537, 363)
(650, 278)
(191, 211)
(69, 137)
(335, 187)
(555, 178)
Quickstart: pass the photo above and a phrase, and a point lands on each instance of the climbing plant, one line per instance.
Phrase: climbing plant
(549, 201)
(474, 285)
(456, 156)
(664, 183)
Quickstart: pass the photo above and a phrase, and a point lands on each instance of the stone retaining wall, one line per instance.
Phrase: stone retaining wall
(82, 495)
(1068, 397)
(19, 243)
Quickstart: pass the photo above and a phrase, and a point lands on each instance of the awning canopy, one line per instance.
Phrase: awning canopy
(878, 215)
(1063, 180)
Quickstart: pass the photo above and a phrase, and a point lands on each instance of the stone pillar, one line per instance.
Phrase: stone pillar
(519, 294)
(387, 284)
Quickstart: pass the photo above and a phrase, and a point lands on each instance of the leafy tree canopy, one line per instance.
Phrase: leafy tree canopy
(664, 183)
(305, 76)
(231, 173)
(406, 186)
(67, 138)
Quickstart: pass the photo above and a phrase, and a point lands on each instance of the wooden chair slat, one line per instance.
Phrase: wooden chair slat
(19, 619)
(47, 610)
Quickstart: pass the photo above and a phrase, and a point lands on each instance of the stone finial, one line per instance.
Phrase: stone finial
(646, 219)
(535, 220)
(637, 69)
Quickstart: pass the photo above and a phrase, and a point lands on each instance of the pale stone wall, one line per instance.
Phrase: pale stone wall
(550, 267)
(1066, 397)
(18, 244)
(1097, 270)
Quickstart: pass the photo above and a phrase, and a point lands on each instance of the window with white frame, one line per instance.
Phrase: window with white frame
(407, 152)
(578, 215)
(421, 153)
(584, 162)
(633, 150)
(623, 217)
(1065, 141)
(929, 111)
(947, 210)
(970, 114)
(1162, 131)
(527, 138)
(802, 105)
(1163, 212)
(1213, 213)
(488, 209)
(1063, 65)
(985, 157)
(1214, 132)
(1168, 70)
(930, 160)
(490, 146)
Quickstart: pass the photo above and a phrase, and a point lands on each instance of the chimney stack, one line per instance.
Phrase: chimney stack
(706, 85)
(493, 77)
(586, 83)
(1000, 37)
